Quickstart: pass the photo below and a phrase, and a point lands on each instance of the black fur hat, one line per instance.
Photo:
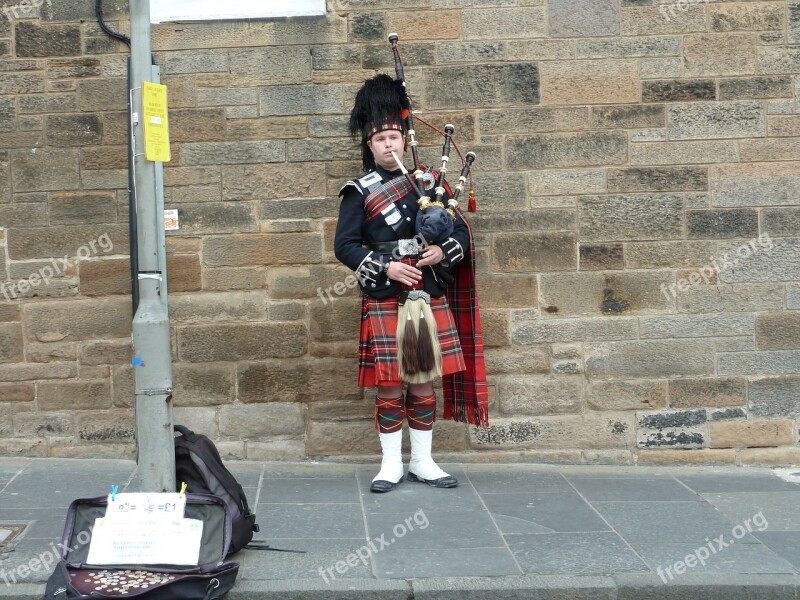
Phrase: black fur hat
(380, 104)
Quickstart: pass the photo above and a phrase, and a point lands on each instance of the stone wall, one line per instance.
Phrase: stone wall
(638, 233)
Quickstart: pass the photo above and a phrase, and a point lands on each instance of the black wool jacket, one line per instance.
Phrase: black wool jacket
(354, 234)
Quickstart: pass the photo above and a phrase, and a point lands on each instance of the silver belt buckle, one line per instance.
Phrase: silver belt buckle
(408, 247)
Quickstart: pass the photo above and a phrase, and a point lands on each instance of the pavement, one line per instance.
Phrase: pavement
(508, 531)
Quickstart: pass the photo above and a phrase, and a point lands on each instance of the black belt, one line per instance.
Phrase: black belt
(408, 247)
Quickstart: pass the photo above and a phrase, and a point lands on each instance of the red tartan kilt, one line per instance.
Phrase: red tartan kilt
(377, 348)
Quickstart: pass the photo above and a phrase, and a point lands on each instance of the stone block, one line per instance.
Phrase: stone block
(584, 18)
(446, 25)
(539, 395)
(793, 24)
(722, 223)
(744, 17)
(733, 119)
(760, 260)
(596, 294)
(508, 191)
(246, 341)
(34, 40)
(769, 149)
(52, 352)
(773, 457)
(414, 54)
(196, 61)
(328, 58)
(677, 90)
(781, 221)
(745, 88)
(479, 86)
(183, 273)
(557, 150)
(17, 392)
(33, 372)
(212, 307)
(281, 380)
(515, 361)
(533, 252)
(533, 120)
(727, 414)
(569, 330)
(543, 219)
(342, 438)
(232, 153)
(10, 343)
(707, 392)
(683, 153)
(286, 311)
(672, 429)
(106, 353)
(630, 217)
(334, 321)
(270, 66)
(653, 20)
(496, 328)
(657, 179)
(629, 47)
(258, 421)
(104, 427)
(77, 320)
(590, 431)
(82, 10)
(470, 52)
(65, 241)
(74, 395)
(751, 434)
(731, 298)
(589, 82)
(327, 126)
(28, 214)
(777, 362)
(649, 359)
(601, 257)
(465, 133)
(318, 281)
(197, 125)
(321, 150)
(702, 457)
(754, 184)
(45, 170)
(262, 249)
(696, 326)
(301, 100)
(777, 331)
(498, 23)
(677, 254)
(265, 182)
(567, 181)
(367, 27)
(507, 291)
(715, 54)
(230, 279)
(70, 68)
(627, 395)
(102, 94)
(193, 176)
(42, 425)
(264, 128)
(218, 217)
(74, 208)
(47, 103)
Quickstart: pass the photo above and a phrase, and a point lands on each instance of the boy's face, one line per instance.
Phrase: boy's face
(383, 143)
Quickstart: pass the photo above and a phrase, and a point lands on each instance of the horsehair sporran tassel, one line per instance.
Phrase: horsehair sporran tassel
(429, 342)
(407, 339)
(427, 360)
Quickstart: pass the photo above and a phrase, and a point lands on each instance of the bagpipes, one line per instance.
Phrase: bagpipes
(419, 354)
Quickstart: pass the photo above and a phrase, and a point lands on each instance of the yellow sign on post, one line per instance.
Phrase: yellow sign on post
(156, 123)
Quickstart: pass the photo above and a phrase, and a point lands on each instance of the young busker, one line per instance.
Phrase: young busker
(420, 318)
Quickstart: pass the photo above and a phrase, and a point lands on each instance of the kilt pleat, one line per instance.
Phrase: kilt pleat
(377, 348)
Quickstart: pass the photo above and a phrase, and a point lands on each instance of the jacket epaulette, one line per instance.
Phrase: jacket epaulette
(364, 186)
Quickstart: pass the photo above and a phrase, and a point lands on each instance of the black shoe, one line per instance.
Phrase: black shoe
(447, 481)
(382, 486)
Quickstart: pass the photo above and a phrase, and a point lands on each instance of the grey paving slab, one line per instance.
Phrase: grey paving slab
(445, 562)
(413, 496)
(779, 509)
(311, 469)
(527, 587)
(734, 558)
(312, 589)
(632, 490)
(428, 529)
(501, 480)
(598, 553)
(311, 521)
(29, 560)
(737, 483)
(310, 489)
(320, 555)
(706, 586)
(247, 474)
(42, 523)
(554, 512)
(667, 522)
(785, 544)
